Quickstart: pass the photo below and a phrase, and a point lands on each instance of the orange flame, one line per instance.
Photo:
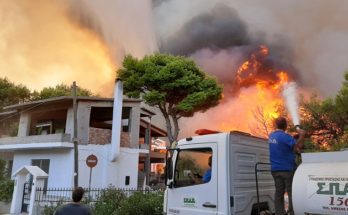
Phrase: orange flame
(258, 93)
(41, 45)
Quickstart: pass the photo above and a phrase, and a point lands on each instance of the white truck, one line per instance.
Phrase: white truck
(228, 185)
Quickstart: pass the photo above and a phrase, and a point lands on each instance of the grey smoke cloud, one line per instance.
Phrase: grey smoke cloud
(306, 36)
(221, 34)
(217, 29)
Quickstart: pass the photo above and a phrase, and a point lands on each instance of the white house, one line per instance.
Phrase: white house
(45, 134)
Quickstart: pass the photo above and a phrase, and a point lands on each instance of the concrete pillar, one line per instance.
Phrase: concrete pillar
(69, 125)
(83, 119)
(37, 182)
(134, 127)
(24, 125)
(17, 196)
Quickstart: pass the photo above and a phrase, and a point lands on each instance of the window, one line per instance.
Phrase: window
(44, 128)
(193, 167)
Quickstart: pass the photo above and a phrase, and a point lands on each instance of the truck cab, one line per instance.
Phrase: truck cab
(215, 174)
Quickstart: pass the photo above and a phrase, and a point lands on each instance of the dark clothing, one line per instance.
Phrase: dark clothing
(282, 156)
(73, 209)
(283, 182)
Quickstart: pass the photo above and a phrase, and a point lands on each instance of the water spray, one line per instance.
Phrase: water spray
(291, 101)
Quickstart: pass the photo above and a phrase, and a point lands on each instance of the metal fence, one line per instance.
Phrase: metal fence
(63, 195)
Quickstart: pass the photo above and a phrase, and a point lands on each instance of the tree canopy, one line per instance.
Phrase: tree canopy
(58, 90)
(174, 84)
(327, 120)
(11, 93)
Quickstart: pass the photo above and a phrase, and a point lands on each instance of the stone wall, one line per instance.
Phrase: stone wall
(5, 207)
(101, 136)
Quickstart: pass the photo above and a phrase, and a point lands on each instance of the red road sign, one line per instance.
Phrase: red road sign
(91, 161)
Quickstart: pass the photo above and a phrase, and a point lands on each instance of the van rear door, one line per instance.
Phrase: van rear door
(194, 189)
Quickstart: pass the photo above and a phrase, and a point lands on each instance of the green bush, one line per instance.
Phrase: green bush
(115, 202)
(109, 202)
(6, 190)
(143, 204)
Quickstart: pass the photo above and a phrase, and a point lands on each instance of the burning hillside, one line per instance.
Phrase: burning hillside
(257, 87)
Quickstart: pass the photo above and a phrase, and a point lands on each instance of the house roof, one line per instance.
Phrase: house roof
(34, 170)
(146, 112)
(26, 105)
(155, 131)
(6, 114)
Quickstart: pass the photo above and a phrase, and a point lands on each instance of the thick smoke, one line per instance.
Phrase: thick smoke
(316, 30)
(41, 46)
(217, 29)
(44, 43)
(126, 26)
(220, 34)
(311, 35)
(305, 38)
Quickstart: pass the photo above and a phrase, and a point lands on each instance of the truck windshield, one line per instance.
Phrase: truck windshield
(193, 167)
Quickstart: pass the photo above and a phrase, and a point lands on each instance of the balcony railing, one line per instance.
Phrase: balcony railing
(49, 138)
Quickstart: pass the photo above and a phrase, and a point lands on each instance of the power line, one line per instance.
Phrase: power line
(18, 113)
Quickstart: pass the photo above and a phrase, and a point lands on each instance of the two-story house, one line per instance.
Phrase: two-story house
(45, 135)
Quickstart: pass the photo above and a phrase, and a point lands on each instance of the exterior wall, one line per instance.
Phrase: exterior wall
(83, 118)
(108, 173)
(104, 174)
(128, 166)
(61, 164)
(99, 136)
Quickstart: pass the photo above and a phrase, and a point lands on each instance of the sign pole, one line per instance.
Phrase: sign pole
(91, 162)
(89, 186)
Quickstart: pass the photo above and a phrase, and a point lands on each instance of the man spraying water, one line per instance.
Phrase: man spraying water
(282, 146)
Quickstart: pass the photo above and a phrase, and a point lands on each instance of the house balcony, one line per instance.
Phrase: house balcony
(36, 142)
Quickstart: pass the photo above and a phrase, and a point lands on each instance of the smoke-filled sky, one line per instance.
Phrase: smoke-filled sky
(44, 43)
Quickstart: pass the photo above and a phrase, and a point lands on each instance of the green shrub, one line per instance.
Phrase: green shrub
(143, 204)
(109, 202)
(6, 190)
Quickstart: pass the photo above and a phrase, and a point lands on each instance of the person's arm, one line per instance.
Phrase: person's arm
(300, 141)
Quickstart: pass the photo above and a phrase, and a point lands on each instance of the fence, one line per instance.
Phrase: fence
(63, 195)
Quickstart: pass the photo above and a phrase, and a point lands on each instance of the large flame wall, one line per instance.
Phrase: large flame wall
(41, 46)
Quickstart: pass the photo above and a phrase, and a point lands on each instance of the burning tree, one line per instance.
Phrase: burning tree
(174, 84)
(327, 120)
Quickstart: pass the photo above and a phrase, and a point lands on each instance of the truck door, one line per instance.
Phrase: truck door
(194, 188)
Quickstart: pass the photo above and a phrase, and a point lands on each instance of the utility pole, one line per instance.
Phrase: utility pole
(148, 139)
(76, 152)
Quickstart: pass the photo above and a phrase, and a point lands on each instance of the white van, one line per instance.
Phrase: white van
(231, 187)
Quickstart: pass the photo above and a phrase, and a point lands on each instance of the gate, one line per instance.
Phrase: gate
(26, 196)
